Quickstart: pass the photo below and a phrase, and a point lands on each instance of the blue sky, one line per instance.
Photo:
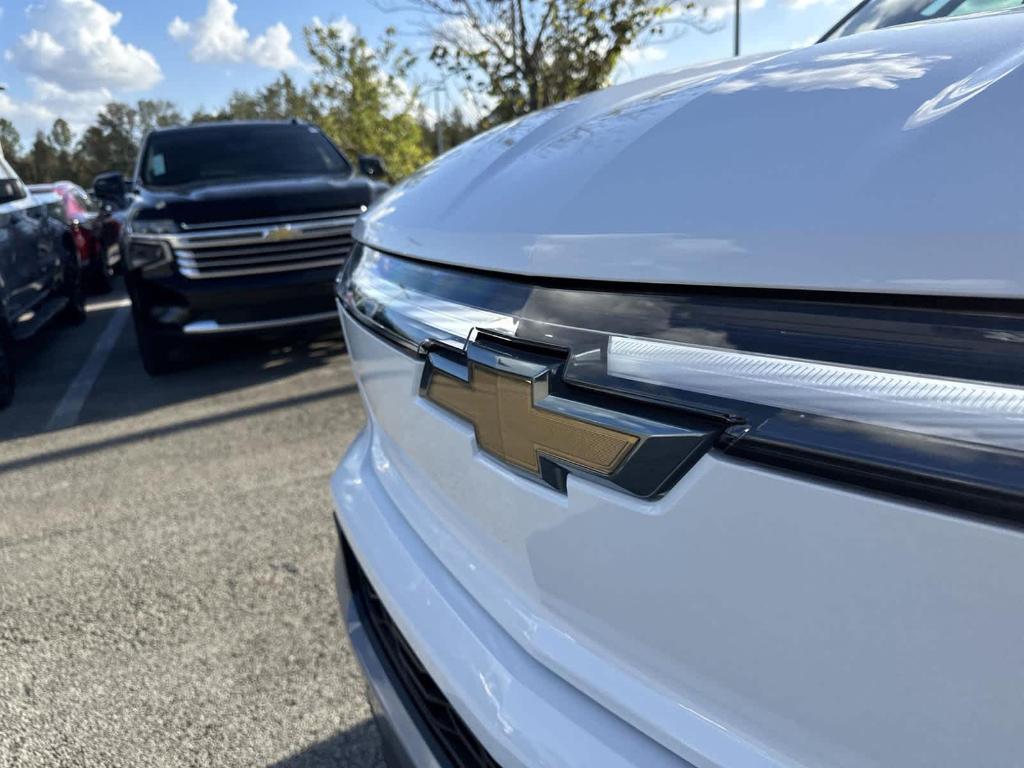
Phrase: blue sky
(68, 57)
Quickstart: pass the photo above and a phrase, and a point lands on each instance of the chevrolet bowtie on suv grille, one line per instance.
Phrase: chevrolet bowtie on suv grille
(696, 421)
(237, 227)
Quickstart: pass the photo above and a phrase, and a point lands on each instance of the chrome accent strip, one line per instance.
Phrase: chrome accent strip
(291, 245)
(188, 259)
(195, 274)
(260, 235)
(359, 211)
(210, 327)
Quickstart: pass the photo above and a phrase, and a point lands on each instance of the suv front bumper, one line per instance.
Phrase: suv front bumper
(174, 305)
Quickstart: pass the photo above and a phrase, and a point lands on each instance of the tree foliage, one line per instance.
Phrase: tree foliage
(529, 54)
(361, 95)
(10, 139)
(280, 100)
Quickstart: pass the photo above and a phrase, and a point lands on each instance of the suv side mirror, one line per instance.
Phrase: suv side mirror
(110, 187)
(372, 167)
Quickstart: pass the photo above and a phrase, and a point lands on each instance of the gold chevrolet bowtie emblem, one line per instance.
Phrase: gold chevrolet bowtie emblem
(279, 234)
(503, 411)
(527, 415)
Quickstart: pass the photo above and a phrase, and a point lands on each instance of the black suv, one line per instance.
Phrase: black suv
(39, 269)
(236, 227)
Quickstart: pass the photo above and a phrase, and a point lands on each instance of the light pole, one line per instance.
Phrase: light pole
(736, 31)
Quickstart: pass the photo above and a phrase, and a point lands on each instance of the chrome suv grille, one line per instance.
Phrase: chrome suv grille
(258, 247)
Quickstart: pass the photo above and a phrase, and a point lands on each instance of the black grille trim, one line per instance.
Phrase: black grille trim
(446, 729)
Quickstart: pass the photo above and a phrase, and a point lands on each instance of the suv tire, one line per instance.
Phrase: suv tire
(159, 354)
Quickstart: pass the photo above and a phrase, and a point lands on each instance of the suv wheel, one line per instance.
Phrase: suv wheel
(159, 354)
(155, 357)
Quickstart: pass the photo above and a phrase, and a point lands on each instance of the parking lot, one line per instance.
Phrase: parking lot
(167, 551)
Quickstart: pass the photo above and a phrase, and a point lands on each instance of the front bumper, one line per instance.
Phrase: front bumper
(404, 740)
(175, 305)
(520, 711)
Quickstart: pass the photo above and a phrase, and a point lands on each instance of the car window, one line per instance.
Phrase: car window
(876, 14)
(78, 202)
(238, 152)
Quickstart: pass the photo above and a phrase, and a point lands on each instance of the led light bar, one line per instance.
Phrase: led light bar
(909, 396)
(956, 409)
(437, 318)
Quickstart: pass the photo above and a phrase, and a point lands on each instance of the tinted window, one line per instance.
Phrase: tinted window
(78, 202)
(876, 14)
(178, 158)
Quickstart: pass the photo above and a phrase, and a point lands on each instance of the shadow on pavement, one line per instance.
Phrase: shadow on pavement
(357, 747)
(50, 362)
(170, 429)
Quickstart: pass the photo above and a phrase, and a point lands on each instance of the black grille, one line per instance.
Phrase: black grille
(451, 735)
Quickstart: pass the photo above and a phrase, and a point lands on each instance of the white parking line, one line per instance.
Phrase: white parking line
(70, 406)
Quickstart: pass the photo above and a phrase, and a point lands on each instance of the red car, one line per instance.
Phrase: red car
(88, 225)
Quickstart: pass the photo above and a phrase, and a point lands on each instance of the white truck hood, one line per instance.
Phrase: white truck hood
(890, 161)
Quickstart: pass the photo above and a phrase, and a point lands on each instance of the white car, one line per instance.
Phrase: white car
(696, 421)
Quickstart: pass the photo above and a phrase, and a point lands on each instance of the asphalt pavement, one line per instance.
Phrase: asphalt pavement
(166, 555)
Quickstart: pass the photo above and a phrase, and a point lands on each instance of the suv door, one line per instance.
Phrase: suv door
(43, 213)
(19, 257)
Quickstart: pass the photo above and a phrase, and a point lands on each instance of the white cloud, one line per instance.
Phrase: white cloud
(273, 49)
(461, 33)
(217, 36)
(178, 29)
(72, 44)
(49, 101)
(648, 54)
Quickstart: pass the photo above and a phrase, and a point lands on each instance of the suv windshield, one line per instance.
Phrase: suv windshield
(219, 153)
(875, 14)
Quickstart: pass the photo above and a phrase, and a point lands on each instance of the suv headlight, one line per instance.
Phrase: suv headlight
(917, 396)
(147, 242)
(152, 227)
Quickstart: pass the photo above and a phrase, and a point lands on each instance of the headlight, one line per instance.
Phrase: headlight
(147, 246)
(144, 252)
(152, 227)
(916, 396)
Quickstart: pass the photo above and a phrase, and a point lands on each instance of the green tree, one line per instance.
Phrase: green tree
(280, 100)
(448, 131)
(42, 162)
(153, 114)
(528, 54)
(10, 139)
(62, 140)
(112, 142)
(363, 99)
